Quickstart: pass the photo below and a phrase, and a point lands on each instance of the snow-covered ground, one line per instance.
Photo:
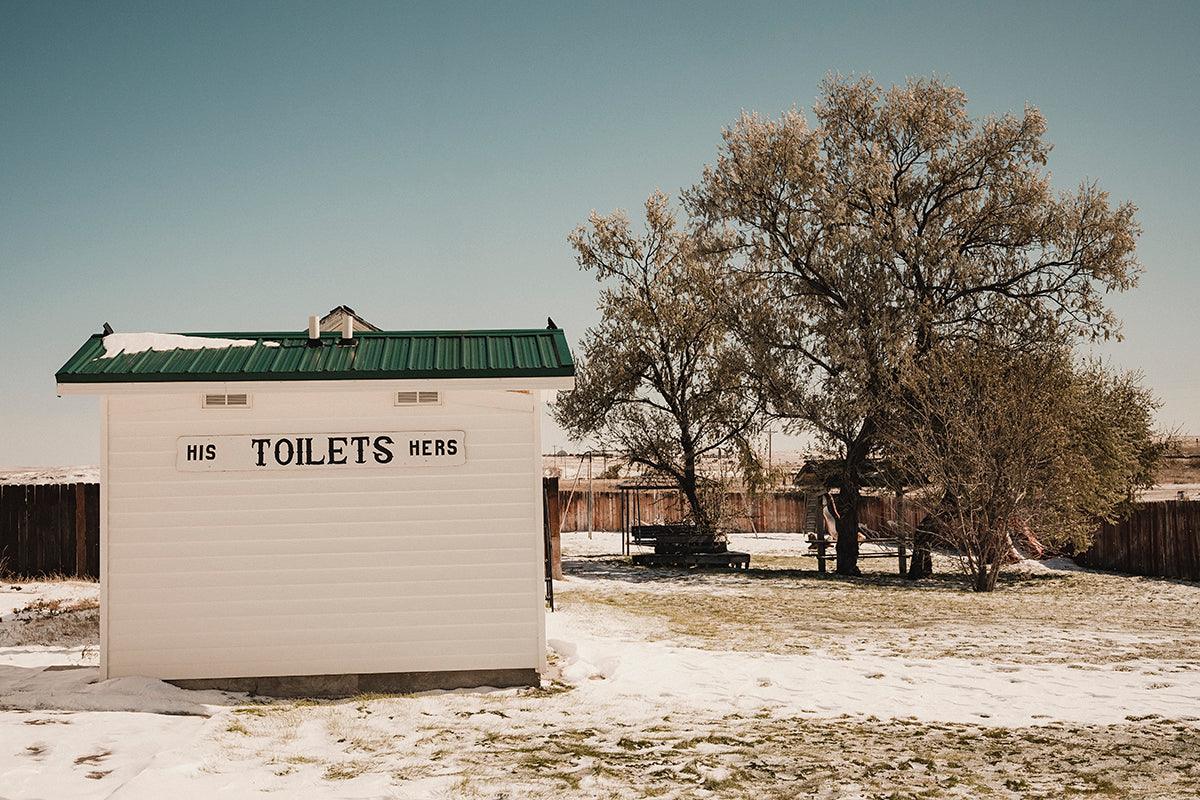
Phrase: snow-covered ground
(48, 624)
(681, 684)
(41, 475)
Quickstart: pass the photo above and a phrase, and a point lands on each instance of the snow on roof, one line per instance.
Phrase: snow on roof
(131, 343)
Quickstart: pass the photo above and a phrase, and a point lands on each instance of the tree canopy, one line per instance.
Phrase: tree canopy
(1004, 440)
(655, 381)
(896, 224)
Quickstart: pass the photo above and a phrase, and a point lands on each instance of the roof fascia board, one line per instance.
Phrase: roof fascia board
(354, 385)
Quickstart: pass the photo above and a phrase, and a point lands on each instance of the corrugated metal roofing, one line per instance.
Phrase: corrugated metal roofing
(370, 355)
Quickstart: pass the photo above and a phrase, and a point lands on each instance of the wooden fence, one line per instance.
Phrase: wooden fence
(769, 512)
(775, 512)
(50, 529)
(879, 510)
(1159, 538)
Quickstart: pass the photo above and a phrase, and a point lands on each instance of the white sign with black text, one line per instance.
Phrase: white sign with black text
(300, 451)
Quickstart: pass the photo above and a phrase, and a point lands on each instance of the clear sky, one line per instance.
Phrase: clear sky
(207, 166)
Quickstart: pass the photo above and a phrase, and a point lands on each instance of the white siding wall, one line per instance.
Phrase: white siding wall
(234, 574)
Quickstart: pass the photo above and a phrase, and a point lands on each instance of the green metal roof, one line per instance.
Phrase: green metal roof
(381, 355)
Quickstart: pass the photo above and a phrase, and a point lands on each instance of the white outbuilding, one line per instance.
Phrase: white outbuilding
(322, 513)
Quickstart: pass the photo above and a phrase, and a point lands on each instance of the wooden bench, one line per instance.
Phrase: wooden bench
(673, 538)
(827, 551)
(644, 535)
(682, 545)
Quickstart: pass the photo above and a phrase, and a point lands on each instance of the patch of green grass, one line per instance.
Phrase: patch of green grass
(253, 711)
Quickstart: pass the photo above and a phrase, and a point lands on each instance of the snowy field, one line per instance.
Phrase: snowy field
(771, 683)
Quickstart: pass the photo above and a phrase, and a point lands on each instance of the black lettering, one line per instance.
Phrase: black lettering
(382, 454)
(414, 447)
(310, 461)
(335, 450)
(210, 452)
(360, 442)
(280, 459)
(439, 448)
(425, 447)
(261, 444)
(451, 447)
(193, 452)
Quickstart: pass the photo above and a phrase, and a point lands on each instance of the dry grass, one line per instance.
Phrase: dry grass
(743, 758)
(63, 623)
(728, 756)
(1057, 617)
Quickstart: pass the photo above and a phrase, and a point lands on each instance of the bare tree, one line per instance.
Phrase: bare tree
(655, 382)
(1008, 439)
(895, 224)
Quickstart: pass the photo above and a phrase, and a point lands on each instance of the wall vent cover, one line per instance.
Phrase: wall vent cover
(240, 400)
(418, 398)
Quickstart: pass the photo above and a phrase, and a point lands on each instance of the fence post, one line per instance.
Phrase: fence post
(591, 503)
(550, 497)
(80, 532)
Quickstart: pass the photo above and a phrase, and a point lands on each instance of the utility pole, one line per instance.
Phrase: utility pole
(591, 507)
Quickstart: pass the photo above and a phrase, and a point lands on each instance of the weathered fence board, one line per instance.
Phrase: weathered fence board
(768, 512)
(50, 529)
(1159, 538)
(776, 512)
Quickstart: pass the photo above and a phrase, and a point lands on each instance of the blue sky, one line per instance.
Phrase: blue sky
(209, 166)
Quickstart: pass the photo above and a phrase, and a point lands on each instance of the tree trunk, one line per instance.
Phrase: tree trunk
(921, 565)
(985, 577)
(923, 538)
(848, 500)
(854, 468)
(704, 539)
(699, 514)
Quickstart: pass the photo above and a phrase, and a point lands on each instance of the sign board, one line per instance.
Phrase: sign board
(305, 451)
